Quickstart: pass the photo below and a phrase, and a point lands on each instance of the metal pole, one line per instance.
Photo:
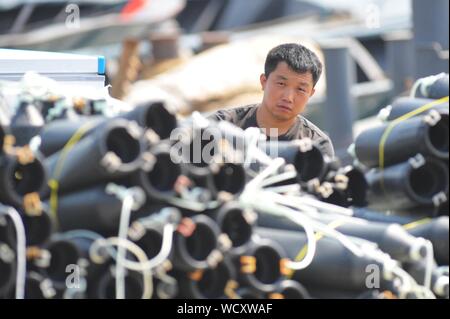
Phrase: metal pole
(431, 36)
(400, 61)
(340, 103)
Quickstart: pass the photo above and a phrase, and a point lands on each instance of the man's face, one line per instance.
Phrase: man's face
(286, 92)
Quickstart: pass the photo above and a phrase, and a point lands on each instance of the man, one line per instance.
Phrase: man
(291, 72)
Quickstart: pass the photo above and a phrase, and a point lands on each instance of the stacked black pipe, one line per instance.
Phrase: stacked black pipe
(407, 156)
(63, 161)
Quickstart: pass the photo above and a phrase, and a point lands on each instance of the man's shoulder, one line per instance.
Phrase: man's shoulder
(233, 115)
(235, 112)
(311, 130)
(317, 135)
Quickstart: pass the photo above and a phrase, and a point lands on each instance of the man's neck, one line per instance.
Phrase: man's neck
(265, 120)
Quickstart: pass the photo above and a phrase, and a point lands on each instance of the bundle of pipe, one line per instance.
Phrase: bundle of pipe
(131, 215)
(395, 142)
(408, 154)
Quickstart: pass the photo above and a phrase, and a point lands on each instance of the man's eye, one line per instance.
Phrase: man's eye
(301, 90)
(280, 83)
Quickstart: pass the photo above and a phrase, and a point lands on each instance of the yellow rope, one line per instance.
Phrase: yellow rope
(417, 223)
(53, 183)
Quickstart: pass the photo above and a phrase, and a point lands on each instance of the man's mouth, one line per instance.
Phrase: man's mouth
(284, 107)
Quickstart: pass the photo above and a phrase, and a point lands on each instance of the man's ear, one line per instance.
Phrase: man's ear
(263, 81)
(312, 92)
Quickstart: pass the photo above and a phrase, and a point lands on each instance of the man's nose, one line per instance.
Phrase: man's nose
(288, 95)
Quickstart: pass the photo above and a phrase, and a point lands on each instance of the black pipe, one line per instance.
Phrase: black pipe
(100, 274)
(237, 224)
(39, 287)
(337, 197)
(83, 244)
(357, 186)
(103, 284)
(333, 266)
(154, 115)
(19, 179)
(218, 177)
(159, 182)
(199, 152)
(7, 268)
(439, 286)
(91, 209)
(91, 270)
(406, 139)
(381, 217)
(150, 241)
(229, 177)
(192, 251)
(7, 231)
(222, 170)
(405, 105)
(407, 185)
(390, 238)
(55, 135)
(209, 284)
(290, 289)
(109, 153)
(309, 161)
(437, 89)
(436, 231)
(38, 227)
(265, 274)
(62, 254)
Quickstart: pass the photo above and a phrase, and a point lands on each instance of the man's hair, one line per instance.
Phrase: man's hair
(298, 58)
